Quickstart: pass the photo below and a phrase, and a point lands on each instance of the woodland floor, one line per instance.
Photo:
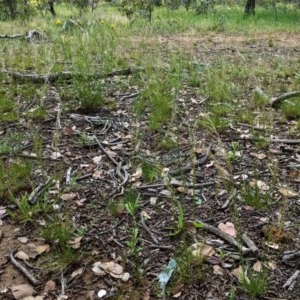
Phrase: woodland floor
(108, 227)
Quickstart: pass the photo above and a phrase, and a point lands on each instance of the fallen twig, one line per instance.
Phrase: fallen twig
(68, 176)
(129, 96)
(66, 76)
(12, 36)
(58, 116)
(188, 167)
(124, 177)
(175, 184)
(226, 237)
(291, 280)
(154, 239)
(290, 256)
(283, 141)
(63, 286)
(276, 101)
(286, 141)
(38, 191)
(249, 243)
(227, 202)
(22, 269)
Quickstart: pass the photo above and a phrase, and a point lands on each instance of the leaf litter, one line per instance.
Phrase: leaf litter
(106, 231)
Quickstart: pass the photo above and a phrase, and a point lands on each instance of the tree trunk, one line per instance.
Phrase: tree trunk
(250, 7)
(51, 6)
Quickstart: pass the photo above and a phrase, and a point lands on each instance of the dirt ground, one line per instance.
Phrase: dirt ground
(274, 231)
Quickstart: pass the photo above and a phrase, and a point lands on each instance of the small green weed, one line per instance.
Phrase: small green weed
(262, 142)
(8, 111)
(131, 200)
(90, 94)
(58, 232)
(168, 143)
(40, 113)
(218, 84)
(14, 177)
(116, 208)
(213, 124)
(254, 284)
(190, 267)
(291, 109)
(256, 198)
(260, 99)
(28, 212)
(132, 243)
(231, 294)
(159, 95)
(234, 153)
(5, 147)
(179, 227)
(150, 171)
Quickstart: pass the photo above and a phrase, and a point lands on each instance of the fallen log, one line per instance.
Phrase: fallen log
(66, 76)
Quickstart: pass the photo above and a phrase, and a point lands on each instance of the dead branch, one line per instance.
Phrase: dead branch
(12, 36)
(68, 176)
(38, 191)
(226, 237)
(175, 184)
(188, 167)
(22, 269)
(292, 279)
(276, 101)
(154, 239)
(191, 165)
(76, 24)
(286, 141)
(124, 177)
(249, 243)
(227, 202)
(129, 96)
(58, 116)
(65, 76)
(290, 256)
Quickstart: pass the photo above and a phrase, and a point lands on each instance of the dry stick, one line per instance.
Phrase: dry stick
(286, 141)
(276, 101)
(154, 239)
(58, 116)
(188, 167)
(129, 96)
(12, 36)
(76, 24)
(292, 279)
(68, 176)
(66, 75)
(229, 239)
(283, 141)
(188, 185)
(37, 191)
(290, 256)
(291, 287)
(226, 204)
(63, 286)
(203, 100)
(83, 177)
(125, 177)
(160, 246)
(22, 269)
(249, 243)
